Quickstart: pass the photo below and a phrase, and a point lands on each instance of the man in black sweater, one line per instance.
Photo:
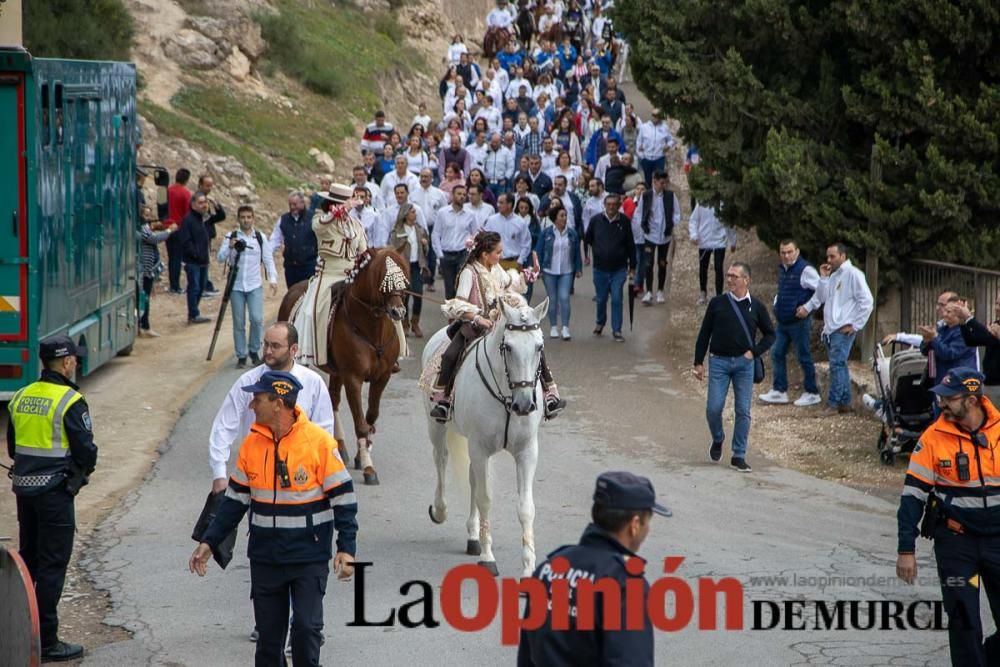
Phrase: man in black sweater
(728, 340)
(193, 241)
(609, 234)
(980, 334)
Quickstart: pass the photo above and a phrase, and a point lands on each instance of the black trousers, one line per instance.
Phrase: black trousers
(147, 289)
(272, 585)
(655, 253)
(703, 257)
(449, 360)
(959, 558)
(47, 523)
(417, 286)
(451, 264)
(296, 274)
(174, 261)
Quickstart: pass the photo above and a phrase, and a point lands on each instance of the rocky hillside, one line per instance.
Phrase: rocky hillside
(265, 95)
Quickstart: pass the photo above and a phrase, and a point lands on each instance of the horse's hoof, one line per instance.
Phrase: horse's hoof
(357, 463)
(371, 477)
(430, 511)
(473, 548)
(491, 567)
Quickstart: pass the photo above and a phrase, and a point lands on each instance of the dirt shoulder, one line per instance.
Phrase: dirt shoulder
(134, 402)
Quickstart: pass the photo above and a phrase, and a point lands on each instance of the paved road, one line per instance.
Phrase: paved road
(629, 410)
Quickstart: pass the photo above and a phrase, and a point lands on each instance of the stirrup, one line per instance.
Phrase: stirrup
(554, 404)
(442, 411)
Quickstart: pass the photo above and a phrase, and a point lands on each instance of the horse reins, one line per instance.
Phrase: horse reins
(497, 393)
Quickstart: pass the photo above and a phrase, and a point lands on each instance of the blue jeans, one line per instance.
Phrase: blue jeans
(797, 334)
(557, 287)
(722, 371)
(195, 280)
(252, 301)
(648, 167)
(605, 283)
(838, 347)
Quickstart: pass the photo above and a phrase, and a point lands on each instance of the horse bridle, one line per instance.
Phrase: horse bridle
(495, 390)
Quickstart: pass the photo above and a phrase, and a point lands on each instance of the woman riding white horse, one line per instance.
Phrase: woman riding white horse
(482, 283)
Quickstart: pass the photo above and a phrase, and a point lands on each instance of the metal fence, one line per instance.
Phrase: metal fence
(925, 279)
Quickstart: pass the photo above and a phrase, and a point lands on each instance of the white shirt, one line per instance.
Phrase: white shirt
(452, 229)
(415, 163)
(492, 116)
(368, 218)
(390, 180)
(411, 238)
(481, 212)
(499, 18)
(248, 276)
(593, 206)
(657, 225)
(477, 153)
(377, 202)
(514, 87)
(498, 165)
(425, 120)
(653, 140)
(571, 175)
(846, 297)
(233, 420)
(601, 170)
(455, 52)
(430, 201)
(562, 254)
(514, 233)
(549, 160)
(705, 228)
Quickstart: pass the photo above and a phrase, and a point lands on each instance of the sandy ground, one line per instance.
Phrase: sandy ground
(135, 402)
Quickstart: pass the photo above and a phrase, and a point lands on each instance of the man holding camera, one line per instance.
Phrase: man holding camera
(246, 252)
(955, 471)
(49, 437)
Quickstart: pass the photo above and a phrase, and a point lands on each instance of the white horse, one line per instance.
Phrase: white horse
(498, 406)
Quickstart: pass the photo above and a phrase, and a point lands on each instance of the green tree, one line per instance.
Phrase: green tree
(85, 29)
(790, 100)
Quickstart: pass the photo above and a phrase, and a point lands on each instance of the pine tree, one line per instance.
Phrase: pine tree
(870, 121)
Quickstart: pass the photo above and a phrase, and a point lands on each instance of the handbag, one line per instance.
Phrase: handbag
(758, 363)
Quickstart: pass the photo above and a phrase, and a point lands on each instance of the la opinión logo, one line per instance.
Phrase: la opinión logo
(670, 604)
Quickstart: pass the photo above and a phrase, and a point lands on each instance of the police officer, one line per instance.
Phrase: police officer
(623, 506)
(289, 476)
(958, 461)
(49, 437)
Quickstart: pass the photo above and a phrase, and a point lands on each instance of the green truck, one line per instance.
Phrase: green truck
(68, 227)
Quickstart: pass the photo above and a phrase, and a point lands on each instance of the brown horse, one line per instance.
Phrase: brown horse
(362, 345)
(495, 41)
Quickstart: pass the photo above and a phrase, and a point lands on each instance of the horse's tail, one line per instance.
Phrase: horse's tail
(458, 453)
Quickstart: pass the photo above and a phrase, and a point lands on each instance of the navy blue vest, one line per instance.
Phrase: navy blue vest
(301, 247)
(791, 293)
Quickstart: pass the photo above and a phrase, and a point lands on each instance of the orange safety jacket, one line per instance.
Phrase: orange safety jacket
(972, 506)
(292, 516)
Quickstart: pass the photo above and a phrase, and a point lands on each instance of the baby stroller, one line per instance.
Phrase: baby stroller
(906, 403)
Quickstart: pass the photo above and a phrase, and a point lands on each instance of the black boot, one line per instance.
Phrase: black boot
(61, 652)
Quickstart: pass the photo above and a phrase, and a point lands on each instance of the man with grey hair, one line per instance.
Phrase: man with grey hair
(294, 231)
(498, 166)
(729, 333)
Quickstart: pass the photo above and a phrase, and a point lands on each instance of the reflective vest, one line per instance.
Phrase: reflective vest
(37, 414)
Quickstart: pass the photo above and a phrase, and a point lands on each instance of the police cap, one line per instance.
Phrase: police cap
(57, 347)
(960, 380)
(278, 383)
(625, 491)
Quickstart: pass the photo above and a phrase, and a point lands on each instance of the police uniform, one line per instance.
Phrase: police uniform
(294, 505)
(962, 470)
(49, 437)
(599, 555)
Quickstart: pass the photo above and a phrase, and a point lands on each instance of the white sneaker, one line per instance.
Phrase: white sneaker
(774, 397)
(647, 298)
(554, 332)
(808, 399)
(702, 299)
(660, 298)
(565, 333)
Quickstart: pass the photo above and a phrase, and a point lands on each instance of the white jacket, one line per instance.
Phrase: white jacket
(846, 299)
(706, 229)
